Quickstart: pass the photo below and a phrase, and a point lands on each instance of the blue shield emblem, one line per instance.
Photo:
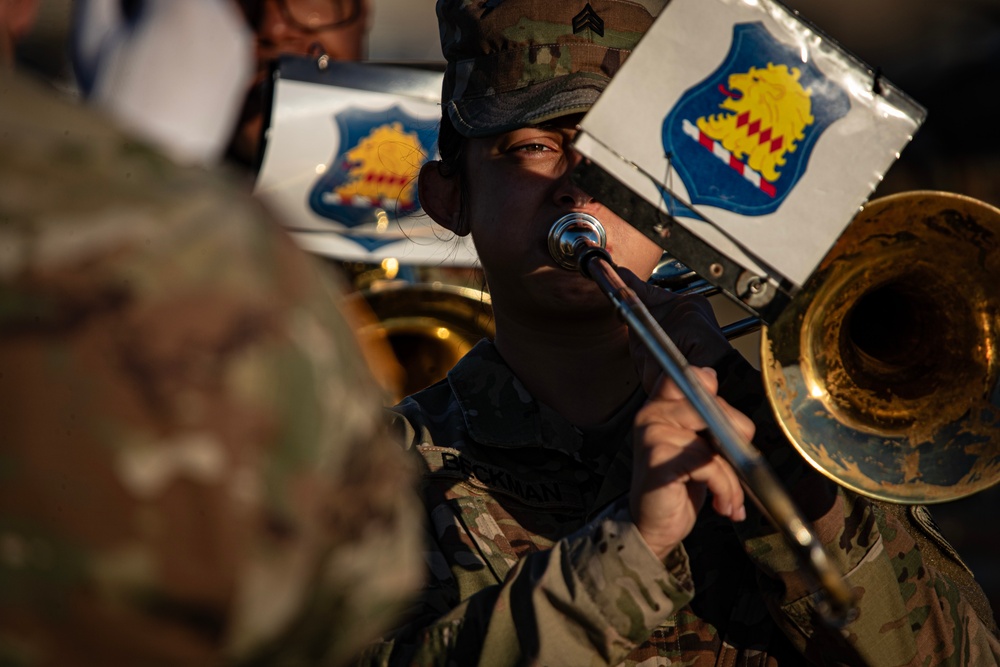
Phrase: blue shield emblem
(373, 174)
(741, 139)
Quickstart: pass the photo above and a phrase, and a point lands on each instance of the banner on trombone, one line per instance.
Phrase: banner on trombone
(752, 129)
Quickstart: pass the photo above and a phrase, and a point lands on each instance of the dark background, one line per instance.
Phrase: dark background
(946, 55)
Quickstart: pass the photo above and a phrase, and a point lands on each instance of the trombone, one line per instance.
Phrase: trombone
(878, 383)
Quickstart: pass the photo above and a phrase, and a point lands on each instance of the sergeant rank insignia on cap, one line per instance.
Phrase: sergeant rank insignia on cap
(588, 20)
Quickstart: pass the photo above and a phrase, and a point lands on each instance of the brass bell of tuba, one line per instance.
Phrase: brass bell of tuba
(884, 371)
(428, 326)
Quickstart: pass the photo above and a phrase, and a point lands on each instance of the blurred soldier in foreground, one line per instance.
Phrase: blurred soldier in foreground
(192, 464)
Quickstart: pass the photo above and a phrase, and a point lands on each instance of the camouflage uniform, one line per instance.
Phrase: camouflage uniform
(535, 560)
(193, 462)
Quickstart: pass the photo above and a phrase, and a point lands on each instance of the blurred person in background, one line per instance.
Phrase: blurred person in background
(193, 464)
(335, 28)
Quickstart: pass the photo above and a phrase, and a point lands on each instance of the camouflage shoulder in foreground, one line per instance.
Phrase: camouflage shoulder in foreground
(193, 466)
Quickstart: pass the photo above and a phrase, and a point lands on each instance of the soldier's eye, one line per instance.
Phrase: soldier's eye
(532, 148)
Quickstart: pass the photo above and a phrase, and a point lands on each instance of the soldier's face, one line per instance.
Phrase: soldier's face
(517, 186)
(278, 33)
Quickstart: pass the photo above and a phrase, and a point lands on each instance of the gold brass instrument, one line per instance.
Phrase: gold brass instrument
(428, 326)
(881, 384)
(427, 317)
(875, 377)
(884, 371)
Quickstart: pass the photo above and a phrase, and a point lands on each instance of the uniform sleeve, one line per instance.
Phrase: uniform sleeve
(194, 468)
(589, 600)
(909, 610)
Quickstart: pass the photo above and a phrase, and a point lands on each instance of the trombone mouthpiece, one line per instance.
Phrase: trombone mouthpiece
(573, 233)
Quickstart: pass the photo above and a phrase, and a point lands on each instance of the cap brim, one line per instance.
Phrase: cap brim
(493, 114)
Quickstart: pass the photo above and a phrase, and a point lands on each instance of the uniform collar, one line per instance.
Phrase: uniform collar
(499, 411)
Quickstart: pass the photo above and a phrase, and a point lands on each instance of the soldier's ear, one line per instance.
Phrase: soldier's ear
(441, 197)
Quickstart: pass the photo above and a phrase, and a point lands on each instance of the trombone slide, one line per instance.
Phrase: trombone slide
(576, 241)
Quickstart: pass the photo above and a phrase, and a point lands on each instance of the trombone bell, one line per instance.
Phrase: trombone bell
(428, 327)
(883, 371)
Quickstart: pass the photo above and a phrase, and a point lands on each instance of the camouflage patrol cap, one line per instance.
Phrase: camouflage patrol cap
(513, 63)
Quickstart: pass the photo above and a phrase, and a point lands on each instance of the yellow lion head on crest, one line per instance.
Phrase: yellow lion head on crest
(764, 115)
(386, 164)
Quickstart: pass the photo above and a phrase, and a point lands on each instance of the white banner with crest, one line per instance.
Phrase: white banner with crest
(758, 133)
(343, 149)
